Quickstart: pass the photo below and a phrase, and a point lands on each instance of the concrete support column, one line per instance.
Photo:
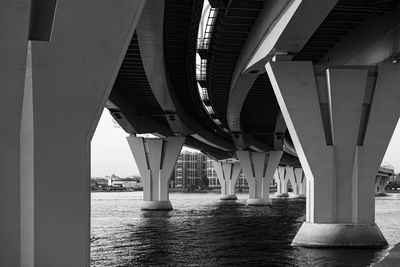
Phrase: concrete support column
(282, 182)
(384, 183)
(378, 179)
(227, 173)
(380, 185)
(300, 183)
(335, 117)
(259, 168)
(67, 83)
(156, 158)
(15, 237)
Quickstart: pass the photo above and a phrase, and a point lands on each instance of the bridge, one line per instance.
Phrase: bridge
(309, 86)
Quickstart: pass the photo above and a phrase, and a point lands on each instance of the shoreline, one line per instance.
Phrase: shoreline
(184, 190)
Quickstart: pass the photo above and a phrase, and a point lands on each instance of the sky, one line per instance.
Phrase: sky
(110, 152)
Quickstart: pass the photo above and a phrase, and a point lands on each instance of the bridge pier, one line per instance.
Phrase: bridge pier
(54, 92)
(155, 159)
(282, 182)
(259, 168)
(227, 173)
(296, 178)
(335, 117)
(300, 180)
(380, 184)
(15, 238)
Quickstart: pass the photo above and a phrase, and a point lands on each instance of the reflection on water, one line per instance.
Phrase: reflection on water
(203, 231)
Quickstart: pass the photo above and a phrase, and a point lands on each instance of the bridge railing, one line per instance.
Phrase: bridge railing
(204, 42)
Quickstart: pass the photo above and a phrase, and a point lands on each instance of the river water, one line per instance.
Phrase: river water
(203, 231)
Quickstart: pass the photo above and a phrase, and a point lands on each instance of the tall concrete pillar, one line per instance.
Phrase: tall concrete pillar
(259, 168)
(156, 158)
(300, 179)
(67, 82)
(295, 176)
(380, 185)
(227, 172)
(282, 182)
(384, 183)
(341, 120)
(378, 179)
(15, 238)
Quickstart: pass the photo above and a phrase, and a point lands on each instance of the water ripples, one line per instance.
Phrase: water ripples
(202, 231)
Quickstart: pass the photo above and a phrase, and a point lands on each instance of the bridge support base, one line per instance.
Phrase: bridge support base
(156, 205)
(319, 235)
(228, 197)
(259, 168)
(258, 202)
(299, 196)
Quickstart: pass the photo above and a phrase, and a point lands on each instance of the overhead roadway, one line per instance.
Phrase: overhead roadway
(235, 87)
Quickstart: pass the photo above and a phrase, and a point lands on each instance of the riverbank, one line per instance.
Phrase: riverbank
(116, 189)
(206, 190)
(177, 190)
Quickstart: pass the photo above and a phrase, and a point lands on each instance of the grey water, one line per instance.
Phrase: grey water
(203, 231)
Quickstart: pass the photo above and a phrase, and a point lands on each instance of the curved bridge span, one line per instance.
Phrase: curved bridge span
(304, 91)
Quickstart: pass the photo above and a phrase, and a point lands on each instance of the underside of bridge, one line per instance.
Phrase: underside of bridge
(133, 104)
(283, 82)
(340, 22)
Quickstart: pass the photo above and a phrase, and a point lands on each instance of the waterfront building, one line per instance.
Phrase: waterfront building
(190, 168)
(102, 182)
(114, 181)
(212, 174)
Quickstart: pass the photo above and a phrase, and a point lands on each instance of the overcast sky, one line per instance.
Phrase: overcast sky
(111, 154)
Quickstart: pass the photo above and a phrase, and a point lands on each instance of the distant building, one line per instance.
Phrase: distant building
(190, 168)
(126, 182)
(242, 182)
(115, 181)
(98, 182)
(211, 174)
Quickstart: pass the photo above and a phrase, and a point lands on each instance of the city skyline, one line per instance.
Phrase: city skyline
(110, 153)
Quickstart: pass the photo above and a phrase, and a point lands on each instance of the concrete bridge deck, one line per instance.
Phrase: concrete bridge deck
(310, 86)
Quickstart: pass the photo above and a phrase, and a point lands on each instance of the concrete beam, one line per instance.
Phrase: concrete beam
(150, 34)
(125, 114)
(375, 40)
(303, 23)
(282, 27)
(242, 78)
